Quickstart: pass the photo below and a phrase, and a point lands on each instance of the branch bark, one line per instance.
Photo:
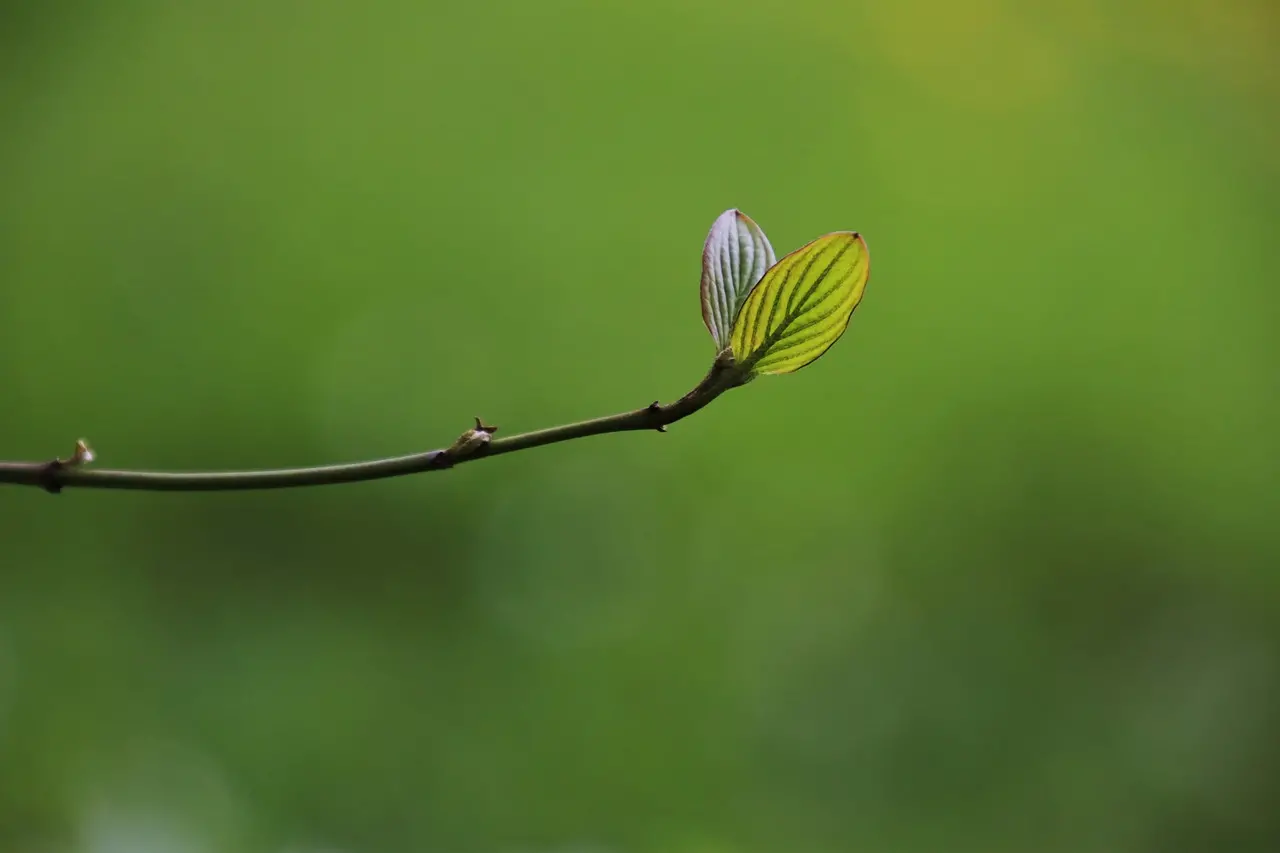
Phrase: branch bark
(58, 474)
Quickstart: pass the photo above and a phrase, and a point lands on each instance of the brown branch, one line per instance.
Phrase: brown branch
(476, 443)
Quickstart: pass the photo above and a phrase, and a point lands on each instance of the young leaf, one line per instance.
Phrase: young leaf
(802, 305)
(734, 258)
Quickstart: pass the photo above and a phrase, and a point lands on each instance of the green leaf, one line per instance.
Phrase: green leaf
(734, 258)
(802, 305)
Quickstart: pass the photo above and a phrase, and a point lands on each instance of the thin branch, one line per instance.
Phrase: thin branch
(476, 443)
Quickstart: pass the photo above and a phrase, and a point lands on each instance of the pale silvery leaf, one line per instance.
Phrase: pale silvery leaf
(735, 257)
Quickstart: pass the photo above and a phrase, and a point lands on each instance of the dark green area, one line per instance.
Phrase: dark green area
(997, 573)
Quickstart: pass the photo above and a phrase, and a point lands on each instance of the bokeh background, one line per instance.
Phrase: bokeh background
(998, 573)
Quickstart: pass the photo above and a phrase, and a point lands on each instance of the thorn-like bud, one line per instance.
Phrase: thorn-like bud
(471, 441)
(49, 480)
(84, 454)
(656, 408)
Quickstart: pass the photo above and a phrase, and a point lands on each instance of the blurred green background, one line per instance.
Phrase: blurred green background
(998, 573)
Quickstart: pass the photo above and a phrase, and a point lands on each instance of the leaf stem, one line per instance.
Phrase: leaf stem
(58, 474)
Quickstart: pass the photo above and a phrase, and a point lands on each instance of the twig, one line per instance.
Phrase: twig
(474, 444)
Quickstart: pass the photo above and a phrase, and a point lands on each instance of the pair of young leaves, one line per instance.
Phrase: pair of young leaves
(777, 316)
